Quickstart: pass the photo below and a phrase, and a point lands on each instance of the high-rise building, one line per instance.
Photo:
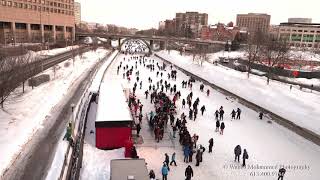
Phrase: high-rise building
(190, 22)
(77, 13)
(36, 21)
(300, 32)
(254, 22)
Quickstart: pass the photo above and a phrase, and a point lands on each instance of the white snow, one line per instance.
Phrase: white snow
(24, 114)
(304, 55)
(302, 108)
(96, 163)
(118, 110)
(94, 88)
(57, 164)
(232, 54)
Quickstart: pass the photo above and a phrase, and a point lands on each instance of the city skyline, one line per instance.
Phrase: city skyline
(148, 14)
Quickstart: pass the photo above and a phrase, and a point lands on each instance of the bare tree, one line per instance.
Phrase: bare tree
(276, 52)
(254, 49)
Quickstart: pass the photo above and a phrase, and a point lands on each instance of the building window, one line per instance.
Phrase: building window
(9, 3)
(3, 3)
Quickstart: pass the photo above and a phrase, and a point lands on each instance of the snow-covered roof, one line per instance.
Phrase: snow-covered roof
(112, 105)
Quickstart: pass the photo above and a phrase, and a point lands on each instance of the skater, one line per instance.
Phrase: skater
(237, 153)
(238, 113)
(203, 108)
(208, 92)
(167, 160)
(222, 126)
(198, 157)
(190, 114)
(188, 173)
(138, 129)
(186, 152)
(152, 176)
(164, 172)
(233, 114)
(146, 93)
(174, 129)
(183, 103)
(217, 125)
(190, 153)
(281, 173)
(210, 145)
(134, 153)
(217, 114)
(244, 157)
(221, 112)
(261, 115)
(173, 159)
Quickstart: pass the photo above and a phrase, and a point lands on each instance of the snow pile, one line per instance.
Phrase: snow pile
(57, 164)
(96, 163)
(24, 114)
(98, 77)
(232, 54)
(302, 108)
(304, 55)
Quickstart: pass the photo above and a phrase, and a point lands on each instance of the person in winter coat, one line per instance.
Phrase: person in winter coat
(208, 92)
(167, 160)
(202, 150)
(202, 109)
(244, 157)
(164, 172)
(152, 176)
(222, 126)
(210, 145)
(190, 153)
(237, 153)
(188, 173)
(217, 114)
(134, 153)
(198, 157)
(233, 114)
(173, 159)
(146, 93)
(260, 115)
(186, 152)
(281, 173)
(221, 112)
(183, 103)
(174, 130)
(238, 113)
(190, 114)
(138, 129)
(217, 125)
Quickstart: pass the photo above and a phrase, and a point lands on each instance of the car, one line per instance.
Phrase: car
(224, 60)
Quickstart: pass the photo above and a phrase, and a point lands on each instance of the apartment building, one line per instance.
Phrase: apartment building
(36, 21)
(254, 22)
(190, 20)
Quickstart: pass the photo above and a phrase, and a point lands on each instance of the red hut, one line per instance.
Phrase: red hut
(113, 121)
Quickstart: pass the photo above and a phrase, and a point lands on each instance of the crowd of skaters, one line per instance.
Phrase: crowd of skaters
(165, 112)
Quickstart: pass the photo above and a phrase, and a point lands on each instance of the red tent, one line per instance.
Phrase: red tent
(113, 121)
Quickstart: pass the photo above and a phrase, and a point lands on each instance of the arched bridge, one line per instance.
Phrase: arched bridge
(163, 40)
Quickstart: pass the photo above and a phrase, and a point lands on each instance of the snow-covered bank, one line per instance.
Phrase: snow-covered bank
(297, 106)
(25, 113)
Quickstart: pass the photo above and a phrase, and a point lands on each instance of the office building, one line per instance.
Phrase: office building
(36, 21)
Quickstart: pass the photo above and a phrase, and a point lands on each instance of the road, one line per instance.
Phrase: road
(34, 161)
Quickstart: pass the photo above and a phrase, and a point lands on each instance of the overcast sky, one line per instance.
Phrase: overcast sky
(143, 14)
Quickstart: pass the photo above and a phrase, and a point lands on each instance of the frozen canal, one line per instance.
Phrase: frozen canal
(269, 145)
